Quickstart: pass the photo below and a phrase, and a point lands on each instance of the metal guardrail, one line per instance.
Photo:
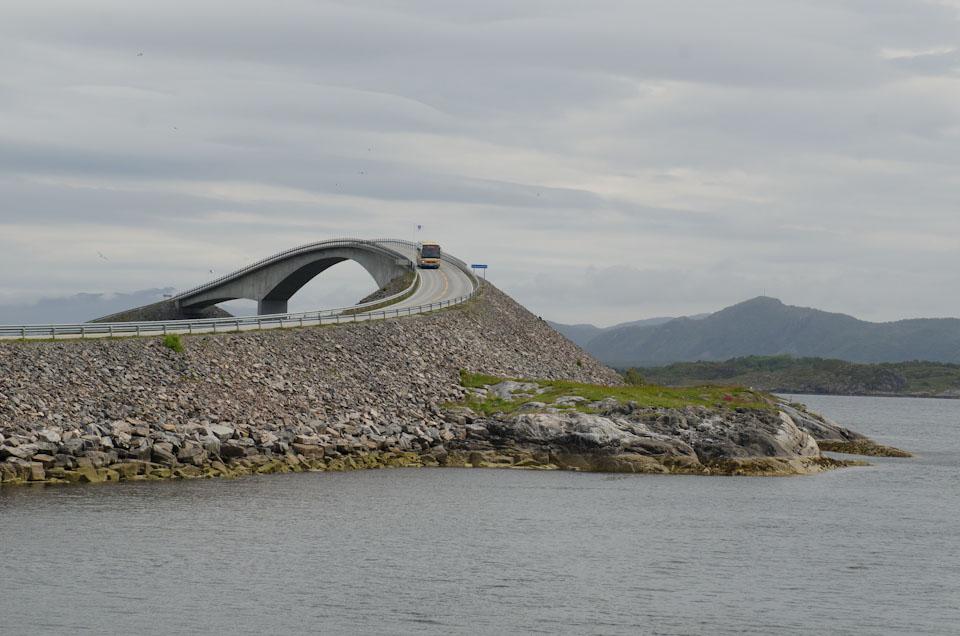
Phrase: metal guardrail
(249, 323)
(219, 325)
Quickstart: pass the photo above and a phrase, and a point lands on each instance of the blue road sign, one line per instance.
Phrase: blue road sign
(478, 267)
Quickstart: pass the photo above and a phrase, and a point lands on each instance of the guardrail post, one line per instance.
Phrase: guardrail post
(164, 328)
(138, 330)
(238, 326)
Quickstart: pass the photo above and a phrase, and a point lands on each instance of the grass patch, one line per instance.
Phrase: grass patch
(706, 395)
(172, 341)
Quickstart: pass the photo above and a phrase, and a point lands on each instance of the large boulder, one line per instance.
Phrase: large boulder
(818, 426)
(695, 433)
(192, 453)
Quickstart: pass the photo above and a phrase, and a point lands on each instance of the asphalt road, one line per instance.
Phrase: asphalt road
(436, 285)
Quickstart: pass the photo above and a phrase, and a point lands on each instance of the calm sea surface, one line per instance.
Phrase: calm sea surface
(457, 551)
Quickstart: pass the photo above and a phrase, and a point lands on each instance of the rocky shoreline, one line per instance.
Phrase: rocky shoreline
(619, 437)
(377, 394)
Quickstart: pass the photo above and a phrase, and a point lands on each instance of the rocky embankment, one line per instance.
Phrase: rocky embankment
(395, 286)
(354, 396)
(320, 397)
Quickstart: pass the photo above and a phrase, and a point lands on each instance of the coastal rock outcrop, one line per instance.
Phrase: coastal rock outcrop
(831, 436)
(622, 436)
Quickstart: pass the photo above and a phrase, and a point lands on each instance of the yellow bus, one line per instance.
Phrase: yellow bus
(428, 255)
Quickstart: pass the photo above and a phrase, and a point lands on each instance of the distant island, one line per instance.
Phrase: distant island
(785, 374)
(765, 326)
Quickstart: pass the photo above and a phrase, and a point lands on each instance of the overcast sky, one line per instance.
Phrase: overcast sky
(609, 160)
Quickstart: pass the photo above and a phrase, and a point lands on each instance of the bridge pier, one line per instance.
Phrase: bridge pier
(266, 307)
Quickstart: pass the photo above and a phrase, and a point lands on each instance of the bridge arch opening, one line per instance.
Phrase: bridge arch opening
(340, 285)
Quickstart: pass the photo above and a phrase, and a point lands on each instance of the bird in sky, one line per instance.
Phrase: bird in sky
(102, 256)
(139, 54)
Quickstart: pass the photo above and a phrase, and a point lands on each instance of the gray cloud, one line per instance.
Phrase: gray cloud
(655, 158)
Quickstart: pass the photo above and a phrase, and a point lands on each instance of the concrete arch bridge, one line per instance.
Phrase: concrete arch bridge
(272, 281)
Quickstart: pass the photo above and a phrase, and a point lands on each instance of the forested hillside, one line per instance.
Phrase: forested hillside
(814, 375)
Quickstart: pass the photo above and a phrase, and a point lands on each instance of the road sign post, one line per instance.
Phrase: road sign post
(483, 267)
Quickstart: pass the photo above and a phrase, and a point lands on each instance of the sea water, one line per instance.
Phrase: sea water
(867, 550)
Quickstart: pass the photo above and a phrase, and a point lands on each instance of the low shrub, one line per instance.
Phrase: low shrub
(172, 341)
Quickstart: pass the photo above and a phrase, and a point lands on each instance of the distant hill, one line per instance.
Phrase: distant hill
(578, 334)
(582, 334)
(765, 326)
